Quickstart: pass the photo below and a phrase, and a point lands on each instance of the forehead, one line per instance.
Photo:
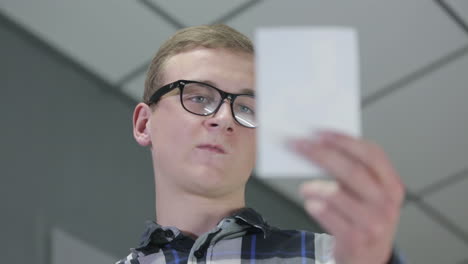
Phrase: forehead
(226, 69)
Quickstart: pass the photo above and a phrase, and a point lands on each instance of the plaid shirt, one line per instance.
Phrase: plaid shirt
(241, 238)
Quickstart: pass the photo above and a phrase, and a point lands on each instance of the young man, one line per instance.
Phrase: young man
(198, 118)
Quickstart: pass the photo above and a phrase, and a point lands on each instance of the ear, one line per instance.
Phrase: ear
(141, 118)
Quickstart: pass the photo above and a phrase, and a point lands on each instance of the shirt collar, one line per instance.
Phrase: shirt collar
(253, 218)
(153, 235)
(158, 235)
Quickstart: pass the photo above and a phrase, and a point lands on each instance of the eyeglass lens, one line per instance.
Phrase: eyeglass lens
(204, 100)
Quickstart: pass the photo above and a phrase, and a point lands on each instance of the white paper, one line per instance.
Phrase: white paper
(307, 79)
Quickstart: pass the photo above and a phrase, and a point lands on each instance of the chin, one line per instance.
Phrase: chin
(209, 174)
(208, 180)
(208, 189)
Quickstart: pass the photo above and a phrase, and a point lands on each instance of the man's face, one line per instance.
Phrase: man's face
(210, 155)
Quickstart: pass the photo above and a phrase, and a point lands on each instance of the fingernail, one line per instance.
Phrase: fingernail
(305, 187)
(316, 136)
(324, 136)
(314, 206)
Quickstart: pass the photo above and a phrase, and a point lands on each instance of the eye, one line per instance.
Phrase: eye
(246, 110)
(199, 99)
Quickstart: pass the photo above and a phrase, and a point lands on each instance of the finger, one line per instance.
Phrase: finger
(368, 153)
(350, 173)
(372, 221)
(334, 223)
(327, 217)
(349, 239)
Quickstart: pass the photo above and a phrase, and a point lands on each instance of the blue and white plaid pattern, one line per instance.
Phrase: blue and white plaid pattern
(241, 238)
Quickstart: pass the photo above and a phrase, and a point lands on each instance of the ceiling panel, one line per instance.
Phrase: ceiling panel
(198, 12)
(424, 127)
(452, 203)
(109, 37)
(422, 240)
(460, 7)
(396, 37)
(135, 87)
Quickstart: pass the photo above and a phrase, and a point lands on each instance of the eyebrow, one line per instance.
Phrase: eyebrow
(242, 91)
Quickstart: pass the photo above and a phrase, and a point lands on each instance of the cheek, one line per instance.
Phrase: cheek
(170, 129)
(250, 147)
(174, 135)
(253, 143)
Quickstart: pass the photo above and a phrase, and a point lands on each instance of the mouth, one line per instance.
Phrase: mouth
(213, 148)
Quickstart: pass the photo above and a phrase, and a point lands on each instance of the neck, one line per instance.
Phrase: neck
(194, 214)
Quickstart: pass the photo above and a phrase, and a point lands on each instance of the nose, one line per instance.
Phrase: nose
(221, 119)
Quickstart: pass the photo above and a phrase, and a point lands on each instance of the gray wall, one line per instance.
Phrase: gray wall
(68, 158)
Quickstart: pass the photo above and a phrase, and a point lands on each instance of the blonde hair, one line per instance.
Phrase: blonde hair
(208, 36)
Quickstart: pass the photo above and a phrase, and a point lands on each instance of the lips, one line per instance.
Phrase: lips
(214, 148)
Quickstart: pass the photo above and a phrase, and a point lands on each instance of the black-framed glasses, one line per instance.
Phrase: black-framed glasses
(203, 99)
